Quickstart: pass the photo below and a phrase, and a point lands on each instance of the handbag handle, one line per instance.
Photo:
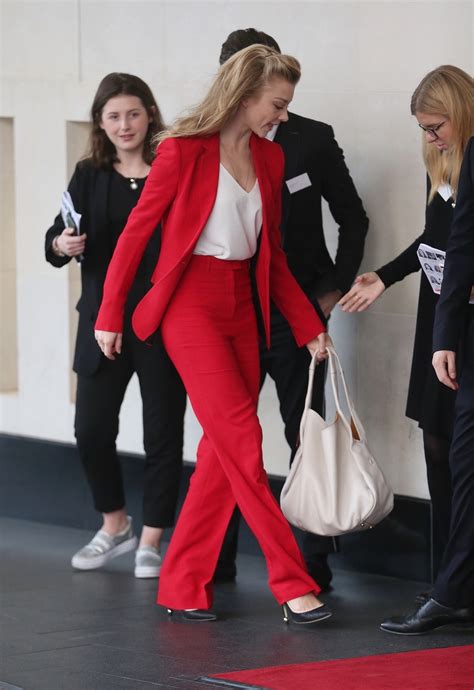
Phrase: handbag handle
(335, 371)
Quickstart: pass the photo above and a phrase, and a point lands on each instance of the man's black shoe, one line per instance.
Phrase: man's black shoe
(422, 597)
(427, 617)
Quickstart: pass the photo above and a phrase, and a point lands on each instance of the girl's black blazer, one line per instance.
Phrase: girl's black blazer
(89, 189)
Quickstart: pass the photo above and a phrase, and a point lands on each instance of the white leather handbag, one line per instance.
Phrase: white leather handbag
(335, 485)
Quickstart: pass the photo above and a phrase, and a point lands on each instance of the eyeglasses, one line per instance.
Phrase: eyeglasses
(432, 130)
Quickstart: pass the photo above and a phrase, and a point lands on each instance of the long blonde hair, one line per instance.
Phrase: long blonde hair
(240, 77)
(446, 91)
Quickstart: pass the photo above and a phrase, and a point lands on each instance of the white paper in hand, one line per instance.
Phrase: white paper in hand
(71, 218)
(432, 263)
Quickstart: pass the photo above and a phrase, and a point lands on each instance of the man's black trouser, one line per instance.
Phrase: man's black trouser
(454, 584)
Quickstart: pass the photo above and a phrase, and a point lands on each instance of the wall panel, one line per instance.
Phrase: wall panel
(361, 61)
(8, 301)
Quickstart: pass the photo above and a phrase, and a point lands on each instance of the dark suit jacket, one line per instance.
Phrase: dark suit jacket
(181, 189)
(310, 147)
(458, 278)
(89, 189)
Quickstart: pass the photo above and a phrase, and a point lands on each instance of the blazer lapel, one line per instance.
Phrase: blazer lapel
(100, 200)
(201, 192)
(207, 180)
(97, 230)
(289, 139)
(263, 181)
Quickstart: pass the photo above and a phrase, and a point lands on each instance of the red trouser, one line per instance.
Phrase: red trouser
(210, 333)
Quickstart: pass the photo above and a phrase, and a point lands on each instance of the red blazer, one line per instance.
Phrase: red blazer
(181, 190)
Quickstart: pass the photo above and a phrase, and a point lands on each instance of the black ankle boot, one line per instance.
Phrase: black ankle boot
(308, 617)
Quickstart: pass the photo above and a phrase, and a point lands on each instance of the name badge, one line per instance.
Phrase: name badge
(297, 183)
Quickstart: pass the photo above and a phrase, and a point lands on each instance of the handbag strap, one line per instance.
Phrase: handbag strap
(309, 395)
(335, 372)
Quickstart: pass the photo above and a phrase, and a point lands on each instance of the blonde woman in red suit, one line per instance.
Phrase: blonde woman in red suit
(216, 185)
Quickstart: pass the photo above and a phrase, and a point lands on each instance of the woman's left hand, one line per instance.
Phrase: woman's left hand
(110, 343)
(444, 363)
(318, 345)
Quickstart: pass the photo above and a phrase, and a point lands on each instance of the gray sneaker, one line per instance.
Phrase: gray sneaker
(147, 562)
(103, 547)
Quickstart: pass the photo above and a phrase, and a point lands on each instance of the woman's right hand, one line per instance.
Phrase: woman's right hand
(69, 243)
(365, 290)
(110, 343)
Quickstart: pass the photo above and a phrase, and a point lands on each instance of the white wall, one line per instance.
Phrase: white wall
(361, 61)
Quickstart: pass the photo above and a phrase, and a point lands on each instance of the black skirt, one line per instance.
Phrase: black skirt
(429, 403)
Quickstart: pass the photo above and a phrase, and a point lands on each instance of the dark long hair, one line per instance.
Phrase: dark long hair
(101, 149)
(243, 38)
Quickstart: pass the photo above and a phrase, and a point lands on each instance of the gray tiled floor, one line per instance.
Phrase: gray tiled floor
(65, 630)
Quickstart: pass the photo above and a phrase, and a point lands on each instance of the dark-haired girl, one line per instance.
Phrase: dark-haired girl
(104, 188)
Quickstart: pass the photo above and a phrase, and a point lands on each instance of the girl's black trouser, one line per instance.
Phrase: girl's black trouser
(98, 402)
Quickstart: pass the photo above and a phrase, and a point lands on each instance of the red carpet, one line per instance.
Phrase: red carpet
(450, 668)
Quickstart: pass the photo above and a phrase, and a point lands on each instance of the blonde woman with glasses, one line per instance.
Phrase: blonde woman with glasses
(443, 107)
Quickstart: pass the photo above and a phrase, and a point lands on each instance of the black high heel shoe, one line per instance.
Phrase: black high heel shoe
(307, 617)
(195, 615)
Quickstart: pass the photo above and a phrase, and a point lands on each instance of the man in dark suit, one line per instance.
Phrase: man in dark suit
(314, 169)
(452, 600)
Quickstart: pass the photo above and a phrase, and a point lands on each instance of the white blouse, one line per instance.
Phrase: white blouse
(234, 225)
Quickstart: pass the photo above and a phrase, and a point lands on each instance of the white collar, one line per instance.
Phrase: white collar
(272, 133)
